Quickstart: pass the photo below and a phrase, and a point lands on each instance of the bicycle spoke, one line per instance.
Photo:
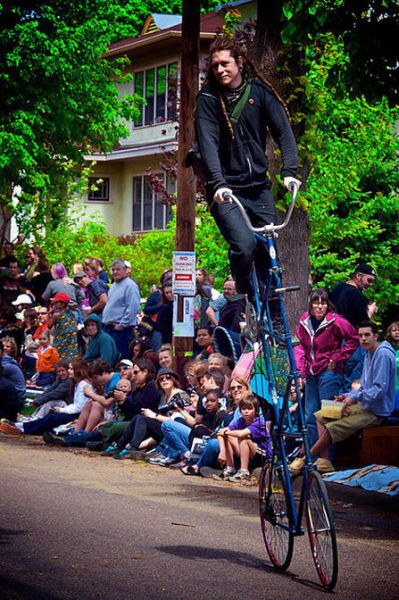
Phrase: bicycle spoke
(275, 517)
(321, 532)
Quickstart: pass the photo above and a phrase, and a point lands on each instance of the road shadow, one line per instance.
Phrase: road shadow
(241, 559)
(23, 591)
(6, 535)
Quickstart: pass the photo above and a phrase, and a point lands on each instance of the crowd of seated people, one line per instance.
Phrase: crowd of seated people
(78, 372)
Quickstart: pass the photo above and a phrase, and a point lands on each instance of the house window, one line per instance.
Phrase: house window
(158, 87)
(101, 191)
(148, 211)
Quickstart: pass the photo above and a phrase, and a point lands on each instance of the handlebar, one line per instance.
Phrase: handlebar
(267, 228)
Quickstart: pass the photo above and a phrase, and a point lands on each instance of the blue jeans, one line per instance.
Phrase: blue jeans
(156, 340)
(49, 422)
(210, 454)
(122, 339)
(353, 368)
(175, 438)
(323, 386)
(78, 440)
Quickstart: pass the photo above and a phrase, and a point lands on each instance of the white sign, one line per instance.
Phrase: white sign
(184, 273)
(184, 328)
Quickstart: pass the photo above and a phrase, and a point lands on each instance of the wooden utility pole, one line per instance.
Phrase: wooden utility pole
(186, 184)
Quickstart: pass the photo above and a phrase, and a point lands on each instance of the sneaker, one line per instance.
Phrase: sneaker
(297, 465)
(167, 461)
(109, 451)
(241, 475)
(53, 440)
(125, 453)
(9, 429)
(95, 446)
(155, 460)
(324, 465)
(225, 474)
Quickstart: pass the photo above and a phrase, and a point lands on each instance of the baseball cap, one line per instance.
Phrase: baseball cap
(125, 361)
(61, 297)
(22, 299)
(79, 275)
(365, 269)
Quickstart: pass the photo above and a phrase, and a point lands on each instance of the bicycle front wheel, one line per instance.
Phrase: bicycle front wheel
(321, 531)
(275, 516)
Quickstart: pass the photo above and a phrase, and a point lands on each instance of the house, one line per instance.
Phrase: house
(123, 197)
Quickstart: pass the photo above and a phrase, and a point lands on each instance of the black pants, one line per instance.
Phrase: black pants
(9, 407)
(245, 249)
(140, 428)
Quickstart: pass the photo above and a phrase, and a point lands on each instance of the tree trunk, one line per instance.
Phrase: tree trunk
(293, 243)
(293, 251)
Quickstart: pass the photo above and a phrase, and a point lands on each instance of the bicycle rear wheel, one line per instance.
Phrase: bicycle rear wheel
(321, 531)
(275, 516)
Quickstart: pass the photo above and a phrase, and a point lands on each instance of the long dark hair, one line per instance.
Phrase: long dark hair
(145, 364)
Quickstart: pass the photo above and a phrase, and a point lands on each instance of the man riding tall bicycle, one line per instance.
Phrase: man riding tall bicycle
(235, 110)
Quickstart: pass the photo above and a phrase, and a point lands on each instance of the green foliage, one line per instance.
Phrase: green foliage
(369, 30)
(153, 252)
(58, 101)
(75, 239)
(352, 192)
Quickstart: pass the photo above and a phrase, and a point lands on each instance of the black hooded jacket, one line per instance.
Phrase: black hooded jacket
(242, 162)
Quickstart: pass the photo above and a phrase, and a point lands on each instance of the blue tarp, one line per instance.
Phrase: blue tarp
(376, 478)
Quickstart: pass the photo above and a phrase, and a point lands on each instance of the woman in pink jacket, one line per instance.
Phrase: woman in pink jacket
(326, 341)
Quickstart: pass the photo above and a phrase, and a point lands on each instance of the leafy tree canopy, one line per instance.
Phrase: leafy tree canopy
(369, 30)
(352, 192)
(59, 98)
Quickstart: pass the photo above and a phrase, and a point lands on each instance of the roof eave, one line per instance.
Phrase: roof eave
(140, 43)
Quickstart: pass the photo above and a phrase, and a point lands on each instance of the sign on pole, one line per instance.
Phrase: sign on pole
(184, 273)
(183, 285)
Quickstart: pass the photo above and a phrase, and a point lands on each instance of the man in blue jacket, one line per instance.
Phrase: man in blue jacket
(14, 374)
(367, 406)
(233, 152)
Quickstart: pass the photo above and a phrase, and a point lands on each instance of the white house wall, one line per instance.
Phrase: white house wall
(118, 212)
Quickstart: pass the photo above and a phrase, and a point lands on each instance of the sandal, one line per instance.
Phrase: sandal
(190, 470)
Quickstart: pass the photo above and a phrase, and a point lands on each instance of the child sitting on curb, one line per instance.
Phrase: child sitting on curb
(243, 438)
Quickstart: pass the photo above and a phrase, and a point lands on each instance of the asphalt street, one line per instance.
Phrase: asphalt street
(74, 525)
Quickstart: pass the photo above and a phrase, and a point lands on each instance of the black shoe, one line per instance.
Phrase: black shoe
(53, 440)
(95, 446)
(122, 454)
(110, 450)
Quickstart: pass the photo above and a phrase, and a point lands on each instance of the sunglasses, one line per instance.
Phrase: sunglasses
(125, 368)
(236, 387)
(165, 378)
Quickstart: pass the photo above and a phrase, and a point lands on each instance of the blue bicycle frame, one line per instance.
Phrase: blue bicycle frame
(283, 424)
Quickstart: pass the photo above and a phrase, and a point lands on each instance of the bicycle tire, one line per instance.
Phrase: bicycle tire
(321, 531)
(275, 518)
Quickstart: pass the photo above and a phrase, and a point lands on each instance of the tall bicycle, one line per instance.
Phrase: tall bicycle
(280, 515)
